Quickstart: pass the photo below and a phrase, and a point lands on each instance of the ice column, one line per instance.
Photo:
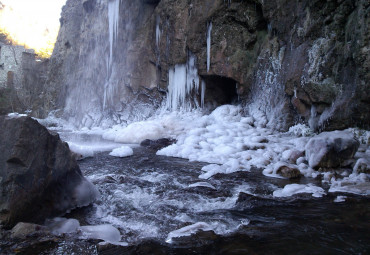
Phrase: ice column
(113, 17)
(183, 80)
(209, 31)
(203, 93)
(157, 32)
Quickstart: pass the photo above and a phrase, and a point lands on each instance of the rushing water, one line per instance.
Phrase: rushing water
(148, 197)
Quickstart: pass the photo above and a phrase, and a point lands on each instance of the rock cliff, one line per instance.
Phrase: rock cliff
(286, 61)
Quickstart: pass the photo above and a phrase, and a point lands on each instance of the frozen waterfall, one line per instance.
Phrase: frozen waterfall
(183, 85)
(113, 18)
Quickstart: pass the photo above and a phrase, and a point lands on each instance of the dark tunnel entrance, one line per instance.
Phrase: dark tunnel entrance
(220, 90)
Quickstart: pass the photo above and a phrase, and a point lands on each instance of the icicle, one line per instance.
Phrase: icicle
(203, 93)
(157, 31)
(183, 80)
(209, 31)
(113, 18)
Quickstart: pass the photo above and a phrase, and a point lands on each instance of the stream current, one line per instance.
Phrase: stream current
(148, 198)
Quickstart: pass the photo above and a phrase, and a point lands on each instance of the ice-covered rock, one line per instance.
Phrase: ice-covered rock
(123, 151)
(330, 149)
(60, 225)
(362, 166)
(39, 177)
(105, 232)
(292, 189)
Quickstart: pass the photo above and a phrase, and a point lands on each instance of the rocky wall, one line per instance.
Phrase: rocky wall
(288, 60)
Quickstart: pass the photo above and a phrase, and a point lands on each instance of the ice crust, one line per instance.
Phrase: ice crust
(292, 189)
(121, 152)
(106, 232)
(188, 230)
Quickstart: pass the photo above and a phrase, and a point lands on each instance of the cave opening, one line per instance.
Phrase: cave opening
(220, 90)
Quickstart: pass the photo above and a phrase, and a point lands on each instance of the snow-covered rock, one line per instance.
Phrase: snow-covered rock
(331, 149)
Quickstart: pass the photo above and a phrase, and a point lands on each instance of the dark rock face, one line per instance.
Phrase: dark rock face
(329, 150)
(157, 144)
(38, 176)
(305, 60)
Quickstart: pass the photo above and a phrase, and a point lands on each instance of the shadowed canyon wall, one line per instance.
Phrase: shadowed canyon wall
(285, 61)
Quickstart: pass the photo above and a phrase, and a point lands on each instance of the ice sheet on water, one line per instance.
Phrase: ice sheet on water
(104, 232)
(123, 151)
(188, 230)
(202, 184)
(292, 189)
(340, 199)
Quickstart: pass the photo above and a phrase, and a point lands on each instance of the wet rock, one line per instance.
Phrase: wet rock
(22, 230)
(39, 177)
(330, 149)
(289, 172)
(200, 238)
(248, 201)
(157, 144)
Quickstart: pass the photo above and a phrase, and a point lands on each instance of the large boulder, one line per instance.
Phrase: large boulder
(331, 149)
(39, 177)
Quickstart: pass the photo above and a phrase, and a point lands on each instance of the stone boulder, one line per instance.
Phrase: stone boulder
(290, 172)
(331, 149)
(39, 177)
(22, 230)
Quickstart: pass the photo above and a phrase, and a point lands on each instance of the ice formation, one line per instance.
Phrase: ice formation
(292, 189)
(157, 32)
(183, 85)
(267, 98)
(113, 18)
(188, 230)
(121, 152)
(209, 32)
